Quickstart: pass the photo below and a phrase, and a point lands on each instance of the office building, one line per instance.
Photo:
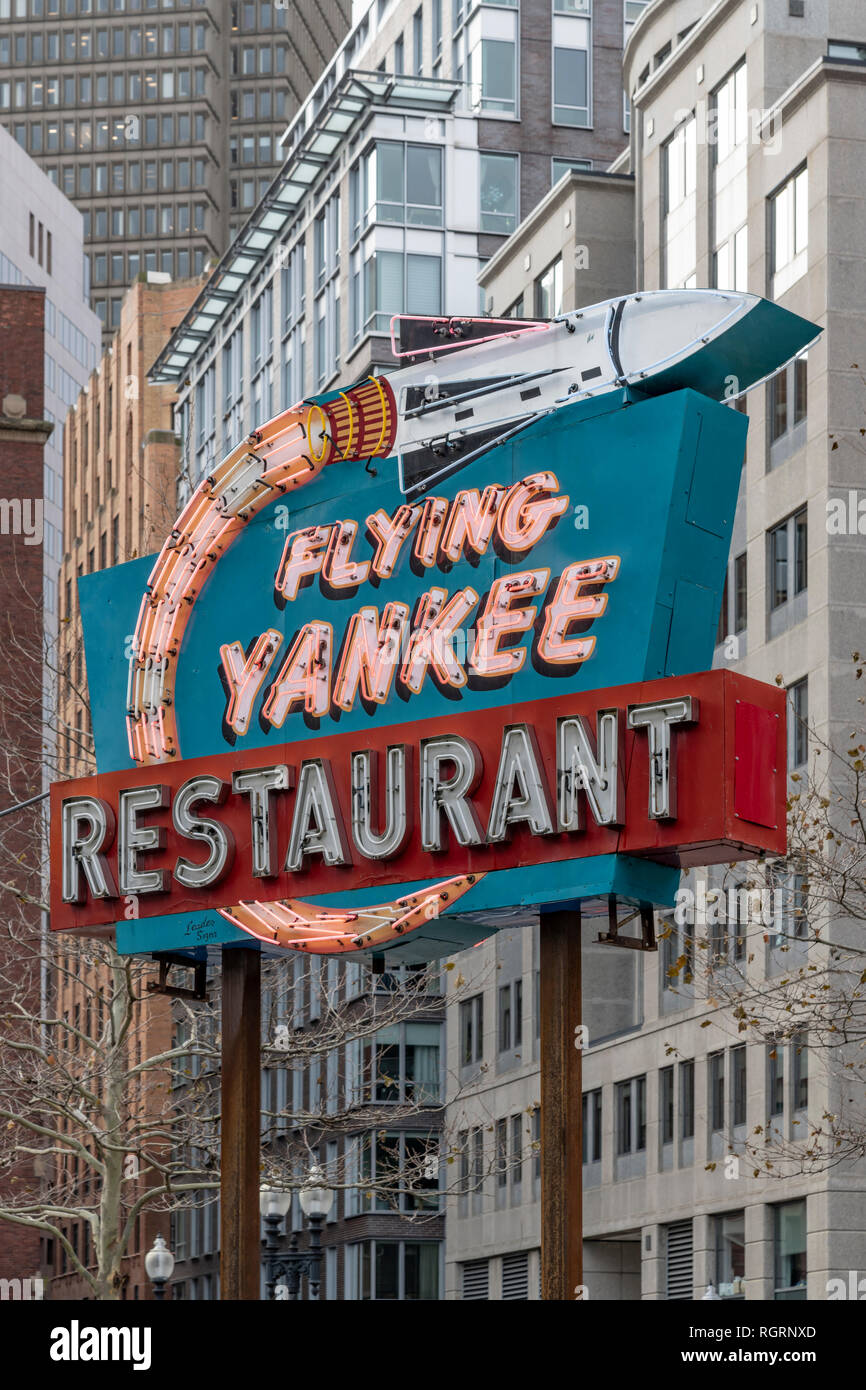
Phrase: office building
(369, 217)
(159, 120)
(41, 243)
(428, 137)
(747, 175)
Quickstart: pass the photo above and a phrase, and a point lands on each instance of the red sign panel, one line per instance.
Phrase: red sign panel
(756, 736)
(685, 770)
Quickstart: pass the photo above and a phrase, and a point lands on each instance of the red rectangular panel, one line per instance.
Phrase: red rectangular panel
(745, 815)
(756, 750)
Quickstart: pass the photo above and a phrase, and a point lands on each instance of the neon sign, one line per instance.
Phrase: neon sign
(326, 671)
(620, 771)
(558, 520)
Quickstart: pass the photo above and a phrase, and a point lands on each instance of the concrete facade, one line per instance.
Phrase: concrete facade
(678, 1207)
(585, 222)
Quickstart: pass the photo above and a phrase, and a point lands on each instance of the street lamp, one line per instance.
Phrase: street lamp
(159, 1264)
(273, 1205)
(316, 1201)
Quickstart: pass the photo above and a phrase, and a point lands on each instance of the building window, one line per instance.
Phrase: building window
(787, 402)
(623, 1117)
(798, 723)
(293, 285)
(687, 1100)
(398, 1064)
(384, 290)
(294, 373)
(775, 1079)
(560, 167)
(730, 196)
(679, 166)
(398, 284)
(790, 1251)
(505, 1018)
(716, 1086)
(476, 1168)
(571, 94)
(418, 42)
(437, 33)
(404, 184)
(666, 1104)
(499, 76)
(724, 618)
(327, 333)
(548, 291)
(389, 1270)
(510, 1023)
(791, 904)
(741, 593)
(738, 1076)
(847, 52)
(730, 1232)
(729, 913)
(395, 1172)
(501, 1160)
(472, 1030)
(499, 192)
(591, 1112)
(677, 954)
(788, 577)
(789, 233)
(516, 1159)
(631, 1115)
(232, 383)
(800, 1071)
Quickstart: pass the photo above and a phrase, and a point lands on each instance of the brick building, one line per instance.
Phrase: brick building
(120, 479)
(23, 435)
(120, 476)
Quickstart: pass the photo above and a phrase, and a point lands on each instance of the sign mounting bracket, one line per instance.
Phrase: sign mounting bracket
(647, 939)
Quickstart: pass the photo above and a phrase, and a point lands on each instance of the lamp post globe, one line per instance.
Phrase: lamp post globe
(159, 1265)
(315, 1198)
(274, 1203)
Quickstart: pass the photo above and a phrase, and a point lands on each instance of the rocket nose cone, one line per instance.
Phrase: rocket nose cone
(721, 343)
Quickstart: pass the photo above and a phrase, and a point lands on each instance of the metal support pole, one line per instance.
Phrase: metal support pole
(314, 1265)
(241, 1090)
(561, 1107)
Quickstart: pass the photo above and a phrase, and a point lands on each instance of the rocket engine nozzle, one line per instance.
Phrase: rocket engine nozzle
(362, 422)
